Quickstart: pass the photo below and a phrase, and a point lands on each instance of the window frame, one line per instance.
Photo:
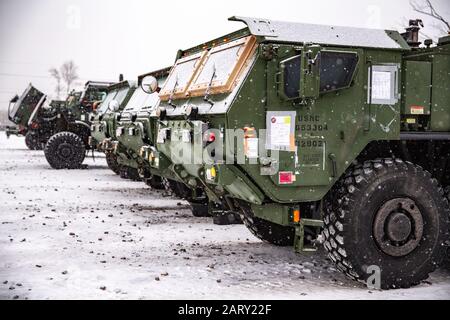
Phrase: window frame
(125, 90)
(353, 74)
(225, 86)
(179, 93)
(104, 101)
(394, 70)
(283, 79)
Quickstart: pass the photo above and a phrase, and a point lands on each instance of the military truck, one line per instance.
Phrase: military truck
(121, 140)
(34, 116)
(103, 120)
(320, 134)
(135, 138)
(66, 149)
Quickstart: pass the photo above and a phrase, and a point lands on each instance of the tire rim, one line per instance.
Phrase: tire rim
(65, 150)
(398, 227)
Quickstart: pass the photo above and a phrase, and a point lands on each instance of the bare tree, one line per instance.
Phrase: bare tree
(69, 74)
(428, 9)
(55, 74)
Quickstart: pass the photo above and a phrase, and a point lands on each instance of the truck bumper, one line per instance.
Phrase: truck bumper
(12, 131)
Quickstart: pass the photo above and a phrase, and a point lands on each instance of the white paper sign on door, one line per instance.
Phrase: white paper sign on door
(381, 85)
(281, 130)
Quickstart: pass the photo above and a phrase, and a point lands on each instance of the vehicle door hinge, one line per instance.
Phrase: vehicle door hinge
(269, 51)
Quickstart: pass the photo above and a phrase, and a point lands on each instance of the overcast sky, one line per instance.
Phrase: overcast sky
(106, 38)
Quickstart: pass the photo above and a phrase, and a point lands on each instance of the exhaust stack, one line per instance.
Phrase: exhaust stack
(412, 33)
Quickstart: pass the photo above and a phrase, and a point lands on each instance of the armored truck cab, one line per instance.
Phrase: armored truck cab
(129, 131)
(103, 120)
(136, 138)
(67, 147)
(34, 116)
(25, 107)
(302, 127)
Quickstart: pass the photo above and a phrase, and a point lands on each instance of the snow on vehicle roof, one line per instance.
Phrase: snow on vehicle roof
(322, 34)
(122, 84)
(99, 83)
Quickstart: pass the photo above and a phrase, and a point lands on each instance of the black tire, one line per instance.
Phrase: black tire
(65, 150)
(199, 210)
(155, 182)
(182, 191)
(390, 215)
(447, 193)
(177, 189)
(447, 258)
(32, 141)
(265, 230)
(111, 160)
(227, 218)
(129, 173)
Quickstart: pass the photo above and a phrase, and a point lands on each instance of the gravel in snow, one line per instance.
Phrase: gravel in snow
(87, 234)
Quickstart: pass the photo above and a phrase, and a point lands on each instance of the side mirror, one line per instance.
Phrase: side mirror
(15, 99)
(113, 106)
(149, 84)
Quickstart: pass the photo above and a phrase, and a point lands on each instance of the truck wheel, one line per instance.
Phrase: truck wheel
(155, 182)
(172, 187)
(175, 188)
(32, 141)
(199, 210)
(388, 218)
(447, 195)
(111, 160)
(65, 150)
(183, 191)
(129, 173)
(265, 230)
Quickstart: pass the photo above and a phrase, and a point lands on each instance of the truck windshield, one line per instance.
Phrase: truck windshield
(181, 75)
(139, 100)
(222, 62)
(223, 65)
(104, 105)
(121, 95)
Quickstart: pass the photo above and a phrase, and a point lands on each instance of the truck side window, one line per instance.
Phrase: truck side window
(292, 77)
(336, 70)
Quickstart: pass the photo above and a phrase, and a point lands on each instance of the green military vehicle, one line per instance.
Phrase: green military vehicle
(319, 134)
(66, 149)
(135, 140)
(103, 120)
(128, 131)
(34, 116)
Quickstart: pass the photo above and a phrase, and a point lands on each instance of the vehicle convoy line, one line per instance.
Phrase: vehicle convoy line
(310, 135)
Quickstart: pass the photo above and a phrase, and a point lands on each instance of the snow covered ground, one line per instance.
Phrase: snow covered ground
(87, 234)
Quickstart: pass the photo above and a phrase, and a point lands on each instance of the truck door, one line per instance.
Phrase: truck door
(416, 106)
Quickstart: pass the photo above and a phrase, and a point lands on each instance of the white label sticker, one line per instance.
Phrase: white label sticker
(280, 131)
(381, 85)
(186, 136)
(252, 147)
(417, 110)
(162, 136)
